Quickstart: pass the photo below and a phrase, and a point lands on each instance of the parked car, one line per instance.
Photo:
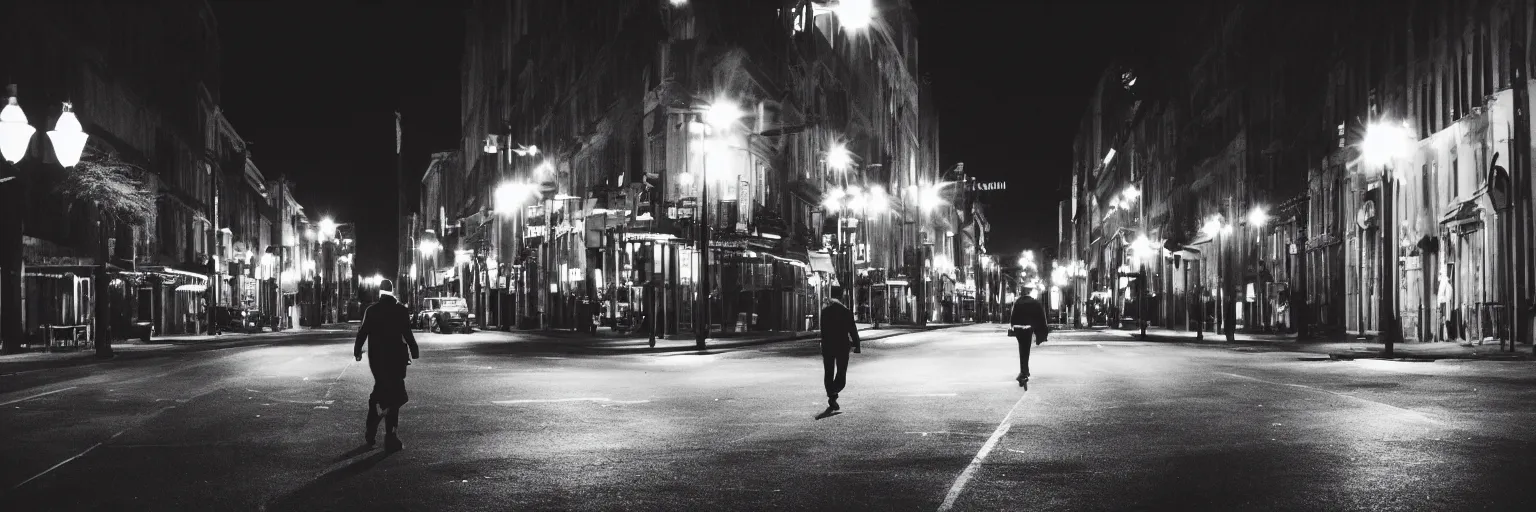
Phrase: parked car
(232, 319)
(444, 315)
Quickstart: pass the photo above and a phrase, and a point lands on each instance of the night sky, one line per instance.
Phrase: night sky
(313, 90)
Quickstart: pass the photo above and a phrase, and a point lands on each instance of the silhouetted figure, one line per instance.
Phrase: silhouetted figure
(387, 330)
(1027, 320)
(839, 334)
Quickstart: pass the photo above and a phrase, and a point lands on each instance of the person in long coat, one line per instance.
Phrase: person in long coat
(839, 334)
(386, 330)
(1027, 312)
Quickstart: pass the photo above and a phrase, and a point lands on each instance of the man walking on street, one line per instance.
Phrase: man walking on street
(1027, 321)
(387, 331)
(839, 334)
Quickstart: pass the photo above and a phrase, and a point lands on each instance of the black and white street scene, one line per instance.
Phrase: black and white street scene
(767, 255)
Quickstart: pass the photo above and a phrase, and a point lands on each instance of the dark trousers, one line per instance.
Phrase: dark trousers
(388, 395)
(1024, 344)
(833, 358)
(391, 417)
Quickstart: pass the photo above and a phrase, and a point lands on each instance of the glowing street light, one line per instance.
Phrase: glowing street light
(327, 228)
(511, 195)
(429, 247)
(15, 133)
(721, 114)
(839, 158)
(68, 139)
(878, 202)
(1257, 217)
(854, 15)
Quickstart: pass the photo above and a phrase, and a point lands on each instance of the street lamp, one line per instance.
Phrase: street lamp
(721, 116)
(1216, 226)
(15, 132)
(327, 228)
(854, 15)
(1386, 143)
(68, 139)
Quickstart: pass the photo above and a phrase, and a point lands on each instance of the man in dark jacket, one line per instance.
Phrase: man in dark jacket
(387, 331)
(1027, 313)
(838, 334)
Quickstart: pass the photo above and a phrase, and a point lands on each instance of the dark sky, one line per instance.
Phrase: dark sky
(313, 90)
(1012, 80)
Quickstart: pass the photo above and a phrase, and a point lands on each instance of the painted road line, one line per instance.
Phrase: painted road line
(20, 400)
(970, 470)
(339, 375)
(553, 400)
(1405, 412)
(93, 447)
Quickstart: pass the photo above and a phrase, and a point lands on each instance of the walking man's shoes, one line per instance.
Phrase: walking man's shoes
(832, 404)
(392, 442)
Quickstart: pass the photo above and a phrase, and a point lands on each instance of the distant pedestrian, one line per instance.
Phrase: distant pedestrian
(1027, 321)
(839, 334)
(387, 331)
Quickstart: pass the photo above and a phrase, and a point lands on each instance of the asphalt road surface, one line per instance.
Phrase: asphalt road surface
(930, 421)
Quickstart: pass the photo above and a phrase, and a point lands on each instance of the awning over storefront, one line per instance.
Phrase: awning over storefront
(821, 262)
(194, 288)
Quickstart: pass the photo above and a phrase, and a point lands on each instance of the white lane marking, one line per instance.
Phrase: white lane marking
(332, 385)
(66, 461)
(1409, 412)
(551, 400)
(88, 450)
(965, 476)
(20, 400)
(925, 434)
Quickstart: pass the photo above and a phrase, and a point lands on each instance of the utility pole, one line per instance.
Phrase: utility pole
(1519, 170)
(701, 330)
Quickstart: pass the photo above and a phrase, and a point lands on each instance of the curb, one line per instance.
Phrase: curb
(749, 343)
(1399, 354)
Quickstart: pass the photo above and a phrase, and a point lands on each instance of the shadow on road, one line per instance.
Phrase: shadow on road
(312, 494)
(352, 453)
(828, 414)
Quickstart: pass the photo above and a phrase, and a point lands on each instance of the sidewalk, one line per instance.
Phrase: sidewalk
(1351, 349)
(133, 348)
(607, 341)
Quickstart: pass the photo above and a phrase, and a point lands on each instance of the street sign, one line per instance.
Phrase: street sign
(992, 185)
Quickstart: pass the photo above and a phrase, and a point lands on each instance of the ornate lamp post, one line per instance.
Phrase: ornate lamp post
(68, 141)
(1386, 143)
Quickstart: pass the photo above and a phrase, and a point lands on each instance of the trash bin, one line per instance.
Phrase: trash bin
(145, 330)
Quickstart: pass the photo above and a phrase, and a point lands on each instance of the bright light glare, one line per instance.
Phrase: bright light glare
(838, 158)
(429, 246)
(15, 133)
(878, 202)
(1385, 142)
(855, 14)
(327, 227)
(1130, 194)
(929, 199)
(511, 195)
(1257, 216)
(544, 168)
(722, 113)
(68, 139)
(1213, 226)
(831, 202)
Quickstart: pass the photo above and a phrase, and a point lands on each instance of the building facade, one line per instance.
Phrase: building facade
(587, 158)
(1426, 240)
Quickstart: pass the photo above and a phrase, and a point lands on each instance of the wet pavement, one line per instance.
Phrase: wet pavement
(930, 421)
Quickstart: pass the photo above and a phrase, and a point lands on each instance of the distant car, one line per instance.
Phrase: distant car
(444, 315)
(236, 319)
